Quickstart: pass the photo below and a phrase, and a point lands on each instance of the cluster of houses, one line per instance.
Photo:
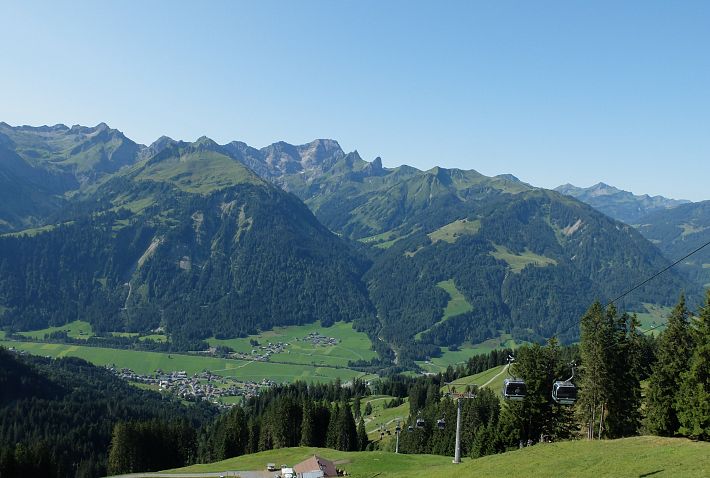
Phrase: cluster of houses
(261, 353)
(203, 386)
(318, 339)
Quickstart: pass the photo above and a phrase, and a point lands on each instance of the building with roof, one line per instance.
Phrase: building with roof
(315, 467)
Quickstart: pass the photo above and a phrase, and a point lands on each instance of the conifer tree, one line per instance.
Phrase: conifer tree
(356, 406)
(308, 424)
(693, 403)
(362, 439)
(331, 440)
(120, 458)
(347, 431)
(624, 395)
(538, 414)
(674, 350)
(254, 429)
(596, 340)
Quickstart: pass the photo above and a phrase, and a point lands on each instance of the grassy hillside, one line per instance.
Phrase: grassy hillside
(455, 357)
(78, 329)
(492, 378)
(629, 457)
(198, 172)
(382, 416)
(457, 303)
(518, 262)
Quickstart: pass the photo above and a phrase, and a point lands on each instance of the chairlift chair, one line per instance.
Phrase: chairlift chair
(441, 423)
(514, 389)
(410, 428)
(564, 392)
(420, 423)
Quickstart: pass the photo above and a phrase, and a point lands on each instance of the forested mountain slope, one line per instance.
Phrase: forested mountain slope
(58, 415)
(679, 231)
(189, 240)
(676, 227)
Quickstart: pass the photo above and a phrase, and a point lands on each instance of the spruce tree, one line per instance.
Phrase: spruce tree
(347, 431)
(674, 350)
(308, 424)
(120, 458)
(356, 406)
(331, 440)
(624, 395)
(362, 439)
(693, 403)
(596, 339)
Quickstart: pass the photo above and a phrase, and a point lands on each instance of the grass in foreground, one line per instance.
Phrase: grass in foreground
(629, 457)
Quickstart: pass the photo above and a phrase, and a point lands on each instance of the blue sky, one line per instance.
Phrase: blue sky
(553, 92)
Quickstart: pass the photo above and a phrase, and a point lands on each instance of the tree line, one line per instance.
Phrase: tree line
(66, 418)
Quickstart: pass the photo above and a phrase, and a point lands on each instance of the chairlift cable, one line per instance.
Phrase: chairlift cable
(659, 273)
(644, 282)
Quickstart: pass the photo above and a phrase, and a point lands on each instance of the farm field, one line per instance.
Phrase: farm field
(655, 316)
(144, 362)
(628, 457)
(352, 345)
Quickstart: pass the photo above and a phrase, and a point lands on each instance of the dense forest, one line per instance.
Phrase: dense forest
(57, 418)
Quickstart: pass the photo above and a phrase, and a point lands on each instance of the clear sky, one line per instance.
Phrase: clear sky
(551, 91)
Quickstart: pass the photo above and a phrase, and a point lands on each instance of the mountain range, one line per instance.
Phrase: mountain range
(619, 204)
(205, 240)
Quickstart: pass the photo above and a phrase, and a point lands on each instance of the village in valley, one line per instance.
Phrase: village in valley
(213, 387)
